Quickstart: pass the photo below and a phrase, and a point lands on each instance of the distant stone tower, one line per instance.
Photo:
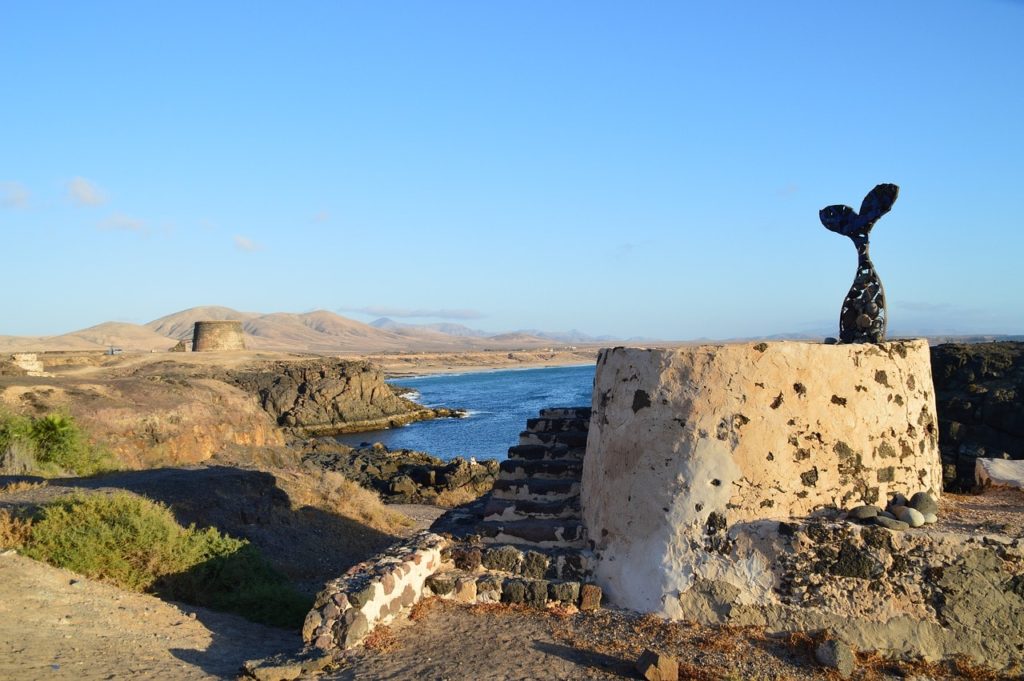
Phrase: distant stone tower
(217, 335)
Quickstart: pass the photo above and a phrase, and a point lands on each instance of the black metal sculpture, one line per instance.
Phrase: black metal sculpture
(863, 317)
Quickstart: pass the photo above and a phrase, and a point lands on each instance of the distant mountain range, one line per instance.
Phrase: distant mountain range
(320, 332)
(324, 332)
(571, 336)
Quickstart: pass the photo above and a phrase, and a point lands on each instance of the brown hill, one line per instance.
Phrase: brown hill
(319, 332)
(131, 337)
(179, 325)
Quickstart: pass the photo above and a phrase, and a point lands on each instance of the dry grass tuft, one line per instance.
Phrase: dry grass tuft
(450, 498)
(875, 666)
(332, 492)
(21, 486)
(381, 640)
(14, 531)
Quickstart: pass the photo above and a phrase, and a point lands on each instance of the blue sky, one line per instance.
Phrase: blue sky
(638, 169)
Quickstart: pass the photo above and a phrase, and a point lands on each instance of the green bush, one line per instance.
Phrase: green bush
(56, 443)
(136, 544)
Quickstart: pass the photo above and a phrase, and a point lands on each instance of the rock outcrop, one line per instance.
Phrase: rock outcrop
(329, 396)
(979, 392)
(406, 477)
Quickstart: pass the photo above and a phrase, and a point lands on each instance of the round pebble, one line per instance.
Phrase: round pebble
(896, 509)
(862, 512)
(890, 523)
(911, 516)
(930, 518)
(886, 514)
(924, 503)
(898, 500)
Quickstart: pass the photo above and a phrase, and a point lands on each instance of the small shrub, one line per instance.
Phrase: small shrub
(14, 531)
(337, 494)
(51, 445)
(136, 544)
(17, 457)
(21, 486)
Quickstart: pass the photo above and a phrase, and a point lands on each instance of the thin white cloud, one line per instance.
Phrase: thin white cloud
(322, 216)
(120, 221)
(85, 193)
(384, 311)
(246, 244)
(14, 195)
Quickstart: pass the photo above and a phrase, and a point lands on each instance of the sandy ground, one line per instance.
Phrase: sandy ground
(57, 625)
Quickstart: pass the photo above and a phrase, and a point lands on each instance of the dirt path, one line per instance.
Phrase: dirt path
(55, 624)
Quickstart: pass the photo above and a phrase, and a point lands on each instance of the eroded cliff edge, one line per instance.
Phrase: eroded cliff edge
(329, 396)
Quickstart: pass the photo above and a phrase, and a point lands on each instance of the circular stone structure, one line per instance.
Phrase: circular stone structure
(689, 446)
(211, 336)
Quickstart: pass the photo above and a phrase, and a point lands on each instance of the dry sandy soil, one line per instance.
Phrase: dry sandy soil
(56, 625)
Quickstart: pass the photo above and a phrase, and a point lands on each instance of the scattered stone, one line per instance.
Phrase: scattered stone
(923, 502)
(590, 597)
(863, 512)
(898, 500)
(930, 518)
(911, 516)
(655, 666)
(890, 523)
(837, 655)
(896, 509)
(285, 668)
(886, 514)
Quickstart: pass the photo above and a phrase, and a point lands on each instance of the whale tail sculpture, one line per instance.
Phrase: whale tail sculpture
(863, 316)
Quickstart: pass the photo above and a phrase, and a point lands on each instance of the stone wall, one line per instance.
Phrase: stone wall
(979, 391)
(210, 336)
(687, 443)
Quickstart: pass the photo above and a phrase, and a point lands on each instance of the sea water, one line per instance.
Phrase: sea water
(498, 404)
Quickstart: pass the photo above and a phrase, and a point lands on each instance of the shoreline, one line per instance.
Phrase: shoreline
(416, 365)
(457, 371)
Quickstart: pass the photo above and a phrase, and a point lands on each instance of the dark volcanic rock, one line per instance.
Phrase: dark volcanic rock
(329, 396)
(403, 476)
(979, 397)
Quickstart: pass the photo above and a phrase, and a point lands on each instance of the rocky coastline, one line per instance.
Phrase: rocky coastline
(321, 397)
(404, 476)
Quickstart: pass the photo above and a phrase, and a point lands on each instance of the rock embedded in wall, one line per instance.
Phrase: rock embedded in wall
(685, 444)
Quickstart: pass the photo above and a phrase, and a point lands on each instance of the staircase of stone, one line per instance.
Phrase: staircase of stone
(536, 499)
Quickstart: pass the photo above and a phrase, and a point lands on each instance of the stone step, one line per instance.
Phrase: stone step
(541, 425)
(543, 533)
(536, 490)
(522, 509)
(565, 413)
(544, 469)
(571, 438)
(536, 452)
